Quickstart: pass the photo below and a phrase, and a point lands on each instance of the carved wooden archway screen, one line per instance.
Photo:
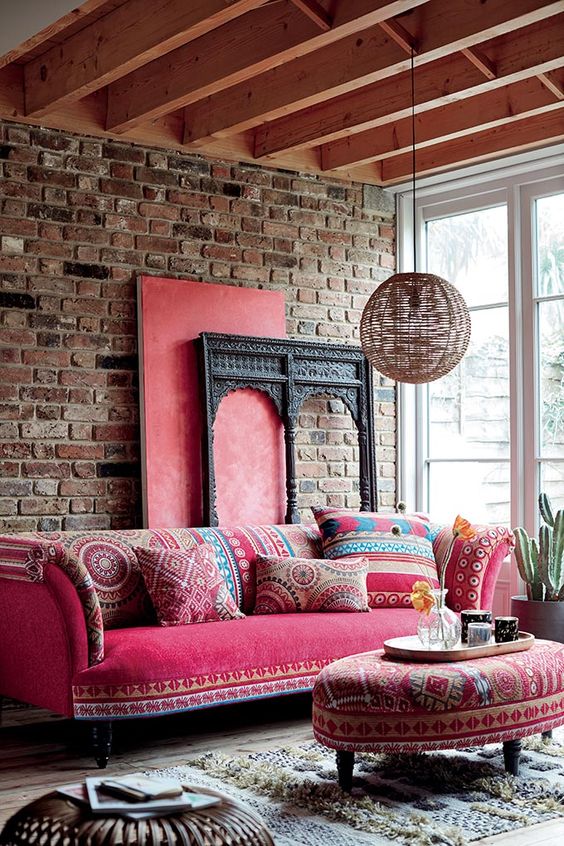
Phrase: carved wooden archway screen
(289, 372)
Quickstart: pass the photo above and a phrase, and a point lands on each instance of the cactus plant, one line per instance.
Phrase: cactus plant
(541, 565)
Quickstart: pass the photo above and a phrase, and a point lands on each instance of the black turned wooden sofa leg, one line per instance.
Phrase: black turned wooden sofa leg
(101, 739)
(345, 766)
(511, 753)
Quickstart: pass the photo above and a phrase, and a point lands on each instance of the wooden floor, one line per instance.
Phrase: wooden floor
(38, 751)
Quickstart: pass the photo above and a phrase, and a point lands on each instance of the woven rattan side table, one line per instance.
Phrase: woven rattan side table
(57, 821)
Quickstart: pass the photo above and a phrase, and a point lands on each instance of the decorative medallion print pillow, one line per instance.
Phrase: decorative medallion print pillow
(469, 574)
(397, 557)
(289, 585)
(186, 585)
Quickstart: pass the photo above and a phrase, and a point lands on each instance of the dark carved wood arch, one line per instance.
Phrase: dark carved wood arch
(289, 372)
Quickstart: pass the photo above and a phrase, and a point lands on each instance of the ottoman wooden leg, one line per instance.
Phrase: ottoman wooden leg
(547, 735)
(345, 766)
(511, 753)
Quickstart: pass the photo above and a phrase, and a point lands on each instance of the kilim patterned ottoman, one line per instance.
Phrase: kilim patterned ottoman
(372, 703)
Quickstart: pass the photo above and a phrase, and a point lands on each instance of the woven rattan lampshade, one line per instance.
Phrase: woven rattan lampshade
(415, 327)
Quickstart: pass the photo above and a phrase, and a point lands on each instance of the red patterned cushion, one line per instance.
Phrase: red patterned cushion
(186, 587)
(288, 585)
(473, 565)
(395, 561)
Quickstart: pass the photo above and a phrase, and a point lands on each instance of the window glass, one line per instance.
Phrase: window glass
(470, 250)
(469, 408)
(551, 377)
(550, 245)
(477, 490)
(552, 482)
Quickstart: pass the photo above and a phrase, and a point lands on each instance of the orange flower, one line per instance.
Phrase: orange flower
(422, 597)
(463, 529)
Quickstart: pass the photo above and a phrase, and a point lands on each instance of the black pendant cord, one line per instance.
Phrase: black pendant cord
(413, 157)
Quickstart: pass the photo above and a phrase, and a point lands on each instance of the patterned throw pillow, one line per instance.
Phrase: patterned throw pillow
(471, 565)
(395, 561)
(186, 586)
(288, 585)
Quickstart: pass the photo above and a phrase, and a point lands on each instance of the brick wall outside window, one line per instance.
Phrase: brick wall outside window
(79, 219)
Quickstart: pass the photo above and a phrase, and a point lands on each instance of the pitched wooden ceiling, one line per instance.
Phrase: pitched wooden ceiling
(313, 85)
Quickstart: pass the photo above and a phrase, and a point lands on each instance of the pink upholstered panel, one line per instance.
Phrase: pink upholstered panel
(43, 641)
(250, 472)
(174, 312)
(151, 671)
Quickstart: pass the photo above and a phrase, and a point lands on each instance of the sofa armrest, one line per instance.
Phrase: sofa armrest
(472, 566)
(28, 561)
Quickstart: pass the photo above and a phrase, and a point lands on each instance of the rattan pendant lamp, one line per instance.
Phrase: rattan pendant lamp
(416, 326)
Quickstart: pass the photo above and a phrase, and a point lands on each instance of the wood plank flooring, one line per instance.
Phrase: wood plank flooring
(38, 751)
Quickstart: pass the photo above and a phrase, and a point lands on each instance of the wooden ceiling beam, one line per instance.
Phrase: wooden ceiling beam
(494, 108)
(315, 12)
(272, 36)
(355, 62)
(480, 61)
(525, 134)
(52, 30)
(121, 41)
(517, 55)
(554, 82)
(400, 35)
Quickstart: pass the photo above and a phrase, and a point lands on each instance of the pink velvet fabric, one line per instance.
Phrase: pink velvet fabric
(153, 670)
(43, 641)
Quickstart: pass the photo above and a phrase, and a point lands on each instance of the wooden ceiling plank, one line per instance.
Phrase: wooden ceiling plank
(347, 66)
(517, 55)
(315, 12)
(52, 30)
(527, 133)
(121, 41)
(233, 54)
(400, 35)
(480, 61)
(555, 85)
(474, 114)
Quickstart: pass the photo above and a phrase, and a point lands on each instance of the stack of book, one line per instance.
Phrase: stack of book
(137, 796)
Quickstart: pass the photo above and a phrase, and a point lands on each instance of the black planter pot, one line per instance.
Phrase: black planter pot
(543, 619)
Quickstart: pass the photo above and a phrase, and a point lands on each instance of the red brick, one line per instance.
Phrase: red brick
(79, 451)
(116, 432)
(149, 243)
(46, 469)
(15, 375)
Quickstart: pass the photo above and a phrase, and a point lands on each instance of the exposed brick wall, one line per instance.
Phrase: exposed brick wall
(79, 219)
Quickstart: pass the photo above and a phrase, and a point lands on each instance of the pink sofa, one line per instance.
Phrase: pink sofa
(78, 633)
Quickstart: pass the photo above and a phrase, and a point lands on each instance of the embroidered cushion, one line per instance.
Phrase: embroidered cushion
(395, 562)
(186, 586)
(472, 566)
(288, 585)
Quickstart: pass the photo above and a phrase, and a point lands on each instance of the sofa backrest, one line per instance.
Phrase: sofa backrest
(113, 566)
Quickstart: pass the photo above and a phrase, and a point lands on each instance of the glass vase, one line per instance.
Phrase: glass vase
(440, 629)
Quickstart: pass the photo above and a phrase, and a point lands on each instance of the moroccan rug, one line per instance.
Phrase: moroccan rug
(450, 798)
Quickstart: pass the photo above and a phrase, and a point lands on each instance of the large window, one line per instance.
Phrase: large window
(486, 438)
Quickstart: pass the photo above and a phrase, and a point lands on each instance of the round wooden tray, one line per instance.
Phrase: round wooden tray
(411, 649)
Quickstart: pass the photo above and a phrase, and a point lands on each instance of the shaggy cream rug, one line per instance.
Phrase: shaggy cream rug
(447, 798)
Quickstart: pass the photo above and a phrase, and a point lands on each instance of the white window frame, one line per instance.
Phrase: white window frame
(517, 187)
